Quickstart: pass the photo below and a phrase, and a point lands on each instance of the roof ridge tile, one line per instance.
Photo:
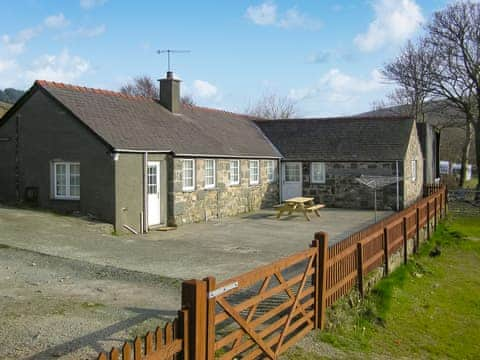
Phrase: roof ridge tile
(60, 85)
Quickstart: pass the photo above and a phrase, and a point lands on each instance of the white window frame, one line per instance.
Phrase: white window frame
(67, 195)
(232, 180)
(189, 187)
(414, 170)
(315, 180)
(253, 181)
(270, 170)
(212, 185)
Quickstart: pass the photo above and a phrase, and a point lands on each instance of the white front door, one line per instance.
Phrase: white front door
(153, 192)
(291, 180)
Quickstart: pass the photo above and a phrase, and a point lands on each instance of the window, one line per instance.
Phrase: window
(188, 172)
(234, 172)
(209, 174)
(270, 171)
(152, 179)
(318, 173)
(66, 180)
(254, 175)
(292, 172)
(414, 170)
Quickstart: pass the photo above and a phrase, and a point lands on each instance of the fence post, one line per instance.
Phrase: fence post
(184, 333)
(405, 241)
(441, 204)
(385, 249)
(321, 275)
(211, 286)
(360, 267)
(428, 220)
(194, 298)
(435, 204)
(417, 229)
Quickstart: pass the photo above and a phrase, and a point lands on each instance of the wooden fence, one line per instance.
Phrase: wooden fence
(167, 343)
(262, 313)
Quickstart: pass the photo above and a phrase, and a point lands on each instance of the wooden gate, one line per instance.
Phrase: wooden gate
(262, 313)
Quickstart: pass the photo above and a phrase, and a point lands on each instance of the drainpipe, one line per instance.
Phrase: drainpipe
(17, 158)
(280, 180)
(398, 186)
(145, 196)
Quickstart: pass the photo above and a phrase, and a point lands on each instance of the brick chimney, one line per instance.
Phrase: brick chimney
(170, 93)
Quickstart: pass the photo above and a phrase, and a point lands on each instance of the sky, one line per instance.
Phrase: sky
(325, 55)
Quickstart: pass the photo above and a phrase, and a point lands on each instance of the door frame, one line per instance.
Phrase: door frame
(283, 182)
(159, 192)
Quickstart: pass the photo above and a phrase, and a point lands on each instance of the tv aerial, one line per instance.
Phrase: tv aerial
(169, 52)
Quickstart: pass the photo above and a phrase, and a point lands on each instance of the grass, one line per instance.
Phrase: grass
(429, 308)
(471, 184)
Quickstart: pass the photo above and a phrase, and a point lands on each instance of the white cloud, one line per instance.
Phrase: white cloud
(16, 44)
(62, 67)
(203, 89)
(56, 21)
(263, 14)
(7, 64)
(90, 4)
(267, 14)
(92, 31)
(395, 21)
(339, 93)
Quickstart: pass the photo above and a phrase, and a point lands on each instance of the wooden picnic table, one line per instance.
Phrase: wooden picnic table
(299, 204)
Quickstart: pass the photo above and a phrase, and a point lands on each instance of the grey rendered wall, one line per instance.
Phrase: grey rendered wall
(129, 189)
(7, 162)
(343, 191)
(49, 133)
(224, 200)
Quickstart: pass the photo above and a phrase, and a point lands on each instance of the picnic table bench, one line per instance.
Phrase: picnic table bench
(299, 204)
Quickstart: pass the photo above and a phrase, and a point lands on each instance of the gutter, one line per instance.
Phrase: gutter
(195, 155)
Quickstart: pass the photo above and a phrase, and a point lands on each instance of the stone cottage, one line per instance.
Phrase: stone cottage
(141, 163)
(324, 158)
(135, 162)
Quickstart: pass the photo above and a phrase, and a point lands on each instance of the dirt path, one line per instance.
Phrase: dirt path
(58, 308)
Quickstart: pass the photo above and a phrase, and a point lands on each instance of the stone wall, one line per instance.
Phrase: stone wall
(413, 189)
(342, 190)
(224, 200)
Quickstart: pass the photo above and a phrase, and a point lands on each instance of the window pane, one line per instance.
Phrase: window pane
(318, 172)
(152, 180)
(234, 172)
(292, 172)
(209, 172)
(270, 173)
(61, 179)
(74, 189)
(188, 174)
(253, 171)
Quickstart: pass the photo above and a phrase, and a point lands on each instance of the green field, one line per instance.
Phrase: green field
(428, 309)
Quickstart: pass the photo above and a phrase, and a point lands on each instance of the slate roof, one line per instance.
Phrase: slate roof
(138, 123)
(340, 139)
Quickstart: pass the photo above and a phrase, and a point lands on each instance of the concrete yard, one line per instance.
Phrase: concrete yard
(220, 248)
(69, 288)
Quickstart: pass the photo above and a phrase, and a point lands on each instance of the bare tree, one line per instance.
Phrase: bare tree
(454, 36)
(273, 106)
(411, 70)
(141, 86)
(145, 86)
(188, 100)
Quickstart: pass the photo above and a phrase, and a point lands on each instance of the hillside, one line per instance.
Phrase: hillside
(10, 95)
(447, 119)
(4, 108)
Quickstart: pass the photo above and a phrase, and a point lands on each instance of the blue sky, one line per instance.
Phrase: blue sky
(323, 54)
